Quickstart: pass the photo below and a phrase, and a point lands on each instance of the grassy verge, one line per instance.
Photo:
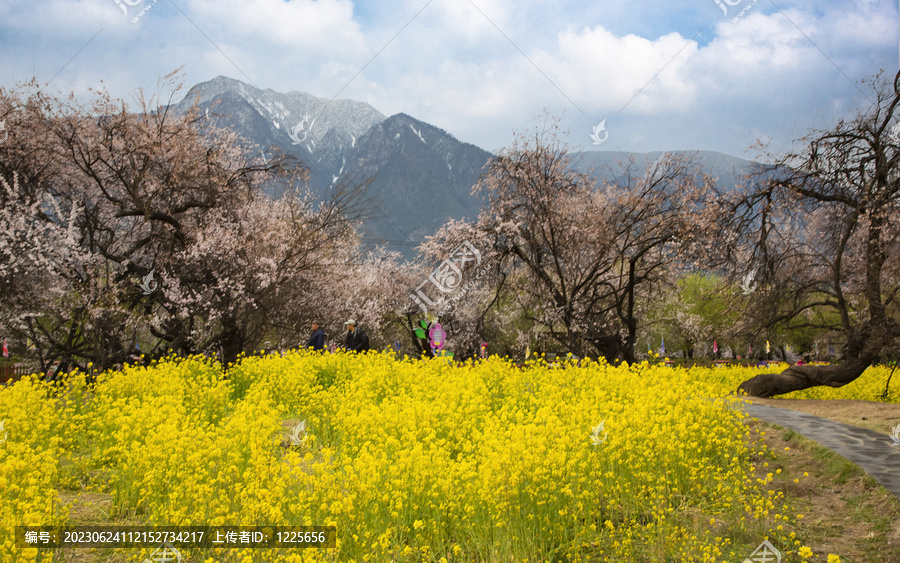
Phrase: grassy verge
(845, 512)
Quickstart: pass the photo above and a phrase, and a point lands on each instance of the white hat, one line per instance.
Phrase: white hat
(350, 322)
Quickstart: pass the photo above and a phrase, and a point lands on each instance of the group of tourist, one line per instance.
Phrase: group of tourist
(357, 340)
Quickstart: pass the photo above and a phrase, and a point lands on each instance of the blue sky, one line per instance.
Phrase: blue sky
(664, 75)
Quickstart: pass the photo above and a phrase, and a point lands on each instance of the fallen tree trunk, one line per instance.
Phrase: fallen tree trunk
(796, 378)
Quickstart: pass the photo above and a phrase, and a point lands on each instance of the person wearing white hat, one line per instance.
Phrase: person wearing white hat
(357, 340)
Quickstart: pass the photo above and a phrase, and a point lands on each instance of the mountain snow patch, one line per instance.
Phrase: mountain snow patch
(417, 133)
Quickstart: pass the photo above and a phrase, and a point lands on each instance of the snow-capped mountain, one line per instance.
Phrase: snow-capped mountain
(422, 174)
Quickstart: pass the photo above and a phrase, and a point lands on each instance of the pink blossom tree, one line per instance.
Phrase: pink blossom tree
(582, 257)
(96, 198)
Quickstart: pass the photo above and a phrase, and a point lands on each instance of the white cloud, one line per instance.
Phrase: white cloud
(322, 26)
(604, 72)
(452, 67)
(58, 18)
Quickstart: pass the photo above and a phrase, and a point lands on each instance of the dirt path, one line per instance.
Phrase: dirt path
(880, 417)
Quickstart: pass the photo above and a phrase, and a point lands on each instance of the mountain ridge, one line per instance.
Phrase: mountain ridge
(421, 175)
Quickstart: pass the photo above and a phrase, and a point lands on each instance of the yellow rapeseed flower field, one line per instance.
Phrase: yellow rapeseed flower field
(411, 460)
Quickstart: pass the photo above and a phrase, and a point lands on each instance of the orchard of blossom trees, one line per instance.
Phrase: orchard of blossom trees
(96, 200)
(818, 230)
(149, 232)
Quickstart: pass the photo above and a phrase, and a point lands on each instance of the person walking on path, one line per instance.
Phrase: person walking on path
(317, 340)
(357, 340)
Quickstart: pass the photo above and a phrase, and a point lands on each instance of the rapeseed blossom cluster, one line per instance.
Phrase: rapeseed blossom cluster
(29, 454)
(411, 460)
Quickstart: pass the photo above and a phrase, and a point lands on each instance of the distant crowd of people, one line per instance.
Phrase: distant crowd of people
(357, 340)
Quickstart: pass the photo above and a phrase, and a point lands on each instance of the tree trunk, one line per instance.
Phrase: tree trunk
(796, 378)
(232, 342)
(611, 348)
(630, 321)
(861, 351)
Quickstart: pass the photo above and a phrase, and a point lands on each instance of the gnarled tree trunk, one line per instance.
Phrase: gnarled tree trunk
(862, 351)
(796, 378)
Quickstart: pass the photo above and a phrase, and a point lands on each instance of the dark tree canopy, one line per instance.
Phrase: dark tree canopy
(820, 230)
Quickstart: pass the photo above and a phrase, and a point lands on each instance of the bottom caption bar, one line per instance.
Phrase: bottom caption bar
(184, 537)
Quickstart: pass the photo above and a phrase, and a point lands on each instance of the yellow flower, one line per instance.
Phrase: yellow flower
(393, 446)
